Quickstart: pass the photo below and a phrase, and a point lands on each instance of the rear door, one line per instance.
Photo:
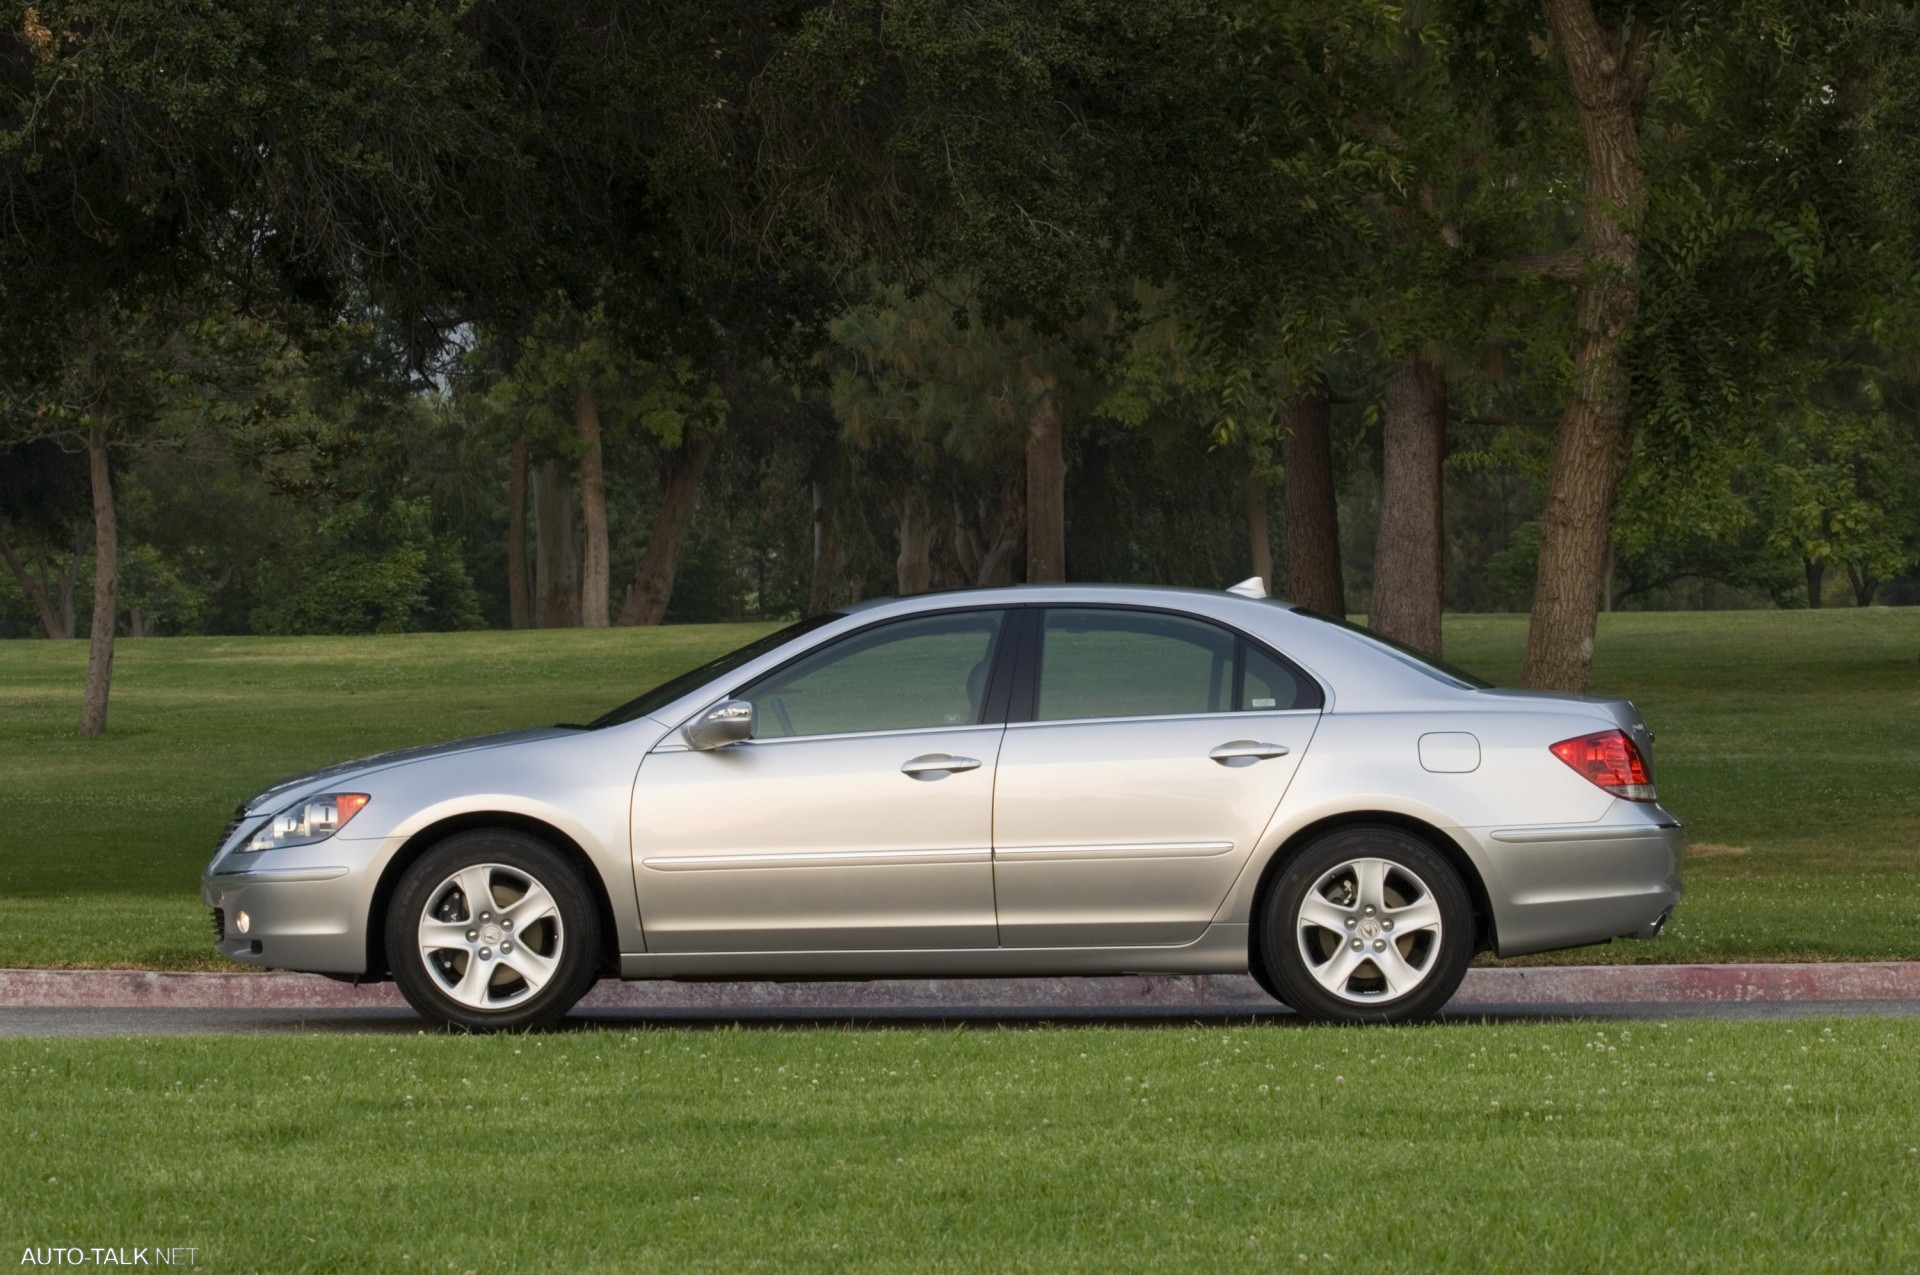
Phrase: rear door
(1158, 748)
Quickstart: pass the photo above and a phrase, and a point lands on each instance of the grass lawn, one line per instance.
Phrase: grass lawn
(1790, 742)
(1566, 1147)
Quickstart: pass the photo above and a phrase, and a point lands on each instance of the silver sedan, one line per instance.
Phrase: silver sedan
(1030, 781)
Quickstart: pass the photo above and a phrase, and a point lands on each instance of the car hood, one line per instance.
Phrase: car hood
(288, 790)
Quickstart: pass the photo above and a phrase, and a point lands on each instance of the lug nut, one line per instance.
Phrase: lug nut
(1358, 944)
(1369, 909)
(486, 916)
(472, 935)
(1351, 922)
(506, 925)
(505, 948)
(1386, 924)
(1379, 945)
(486, 953)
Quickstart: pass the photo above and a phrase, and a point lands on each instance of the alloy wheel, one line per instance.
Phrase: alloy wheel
(491, 936)
(1369, 930)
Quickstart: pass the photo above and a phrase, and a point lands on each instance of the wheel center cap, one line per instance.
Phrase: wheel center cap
(491, 934)
(1369, 927)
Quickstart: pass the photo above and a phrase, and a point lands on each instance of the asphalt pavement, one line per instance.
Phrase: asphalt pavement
(149, 1021)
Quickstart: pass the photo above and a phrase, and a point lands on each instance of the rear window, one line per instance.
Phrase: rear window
(1120, 662)
(1438, 670)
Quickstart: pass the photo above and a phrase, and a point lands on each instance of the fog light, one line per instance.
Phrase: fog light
(242, 922)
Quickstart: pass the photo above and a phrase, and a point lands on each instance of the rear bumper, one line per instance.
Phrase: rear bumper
(1569, 885)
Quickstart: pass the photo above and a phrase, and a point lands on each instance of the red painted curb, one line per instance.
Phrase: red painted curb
(1543, 985)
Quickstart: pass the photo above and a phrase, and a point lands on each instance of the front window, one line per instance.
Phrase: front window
(693, 679)
(913, 674)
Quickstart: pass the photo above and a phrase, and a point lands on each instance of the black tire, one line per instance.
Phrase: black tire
(572, 935)
(1441, 959)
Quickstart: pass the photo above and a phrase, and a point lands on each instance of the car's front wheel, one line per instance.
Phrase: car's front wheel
(1367, 925)
(492, 930)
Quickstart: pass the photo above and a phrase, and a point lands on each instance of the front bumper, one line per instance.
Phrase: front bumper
(297, 916)
(1570, 885)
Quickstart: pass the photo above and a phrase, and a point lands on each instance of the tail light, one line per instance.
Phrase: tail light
(1609, 760)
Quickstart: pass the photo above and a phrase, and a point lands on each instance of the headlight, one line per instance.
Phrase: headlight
(307, 821)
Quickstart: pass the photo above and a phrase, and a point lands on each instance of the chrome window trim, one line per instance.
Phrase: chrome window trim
(672, 743)
(1227, 715)
(673, 717)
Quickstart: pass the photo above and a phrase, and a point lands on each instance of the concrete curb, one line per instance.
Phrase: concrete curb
(1492, 988)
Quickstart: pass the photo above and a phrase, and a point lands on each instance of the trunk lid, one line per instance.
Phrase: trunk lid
(1619, 710)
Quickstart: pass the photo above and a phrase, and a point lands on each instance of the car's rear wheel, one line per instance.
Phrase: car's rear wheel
(1368, 924)
(493, 930)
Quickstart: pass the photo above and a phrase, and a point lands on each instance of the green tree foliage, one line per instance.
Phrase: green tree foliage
(896, 276)
(370, 571)
(1842, 490)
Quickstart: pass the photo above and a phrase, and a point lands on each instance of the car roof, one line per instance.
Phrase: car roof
(989, 595)
(1360, 674)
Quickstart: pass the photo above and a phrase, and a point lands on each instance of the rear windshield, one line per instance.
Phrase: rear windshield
(1438, 670)
(667, 692)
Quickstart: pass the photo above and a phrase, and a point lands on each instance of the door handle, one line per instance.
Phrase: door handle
(933, 765)
(1246, 750)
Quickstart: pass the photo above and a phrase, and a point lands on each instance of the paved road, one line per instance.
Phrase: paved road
(257, 1022)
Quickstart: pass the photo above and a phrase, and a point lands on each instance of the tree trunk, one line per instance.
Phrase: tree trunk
(595, 586)
(556, 552)
(36, 590)
(1001, 540)
(826, 551)
(652, 585)
(1046, 483)
(1816, 573)
(1313, 515)
(1409, 558)
(913, 565)
(106, 589)
(517, 538)
(1253, 488)
(70, 579)
(1864, 583)
(1607, 70)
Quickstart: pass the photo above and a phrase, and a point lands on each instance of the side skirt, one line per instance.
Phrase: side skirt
(1222, 949)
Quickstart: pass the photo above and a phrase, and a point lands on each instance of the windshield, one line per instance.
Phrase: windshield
(1439, 670)
(667, 692)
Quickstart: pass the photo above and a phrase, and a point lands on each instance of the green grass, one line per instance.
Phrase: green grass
(1566, 1147)
(1789, 741)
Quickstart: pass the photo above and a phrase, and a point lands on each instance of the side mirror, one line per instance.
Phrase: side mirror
(728, 722)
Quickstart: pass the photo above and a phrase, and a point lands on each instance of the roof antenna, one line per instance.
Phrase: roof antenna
(1251, 587)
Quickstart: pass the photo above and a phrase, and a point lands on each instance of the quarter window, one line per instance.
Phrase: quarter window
(1270, 685)
(912, 674)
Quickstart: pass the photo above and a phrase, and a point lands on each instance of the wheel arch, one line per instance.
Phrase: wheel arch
(1485, 936)
(417, 845)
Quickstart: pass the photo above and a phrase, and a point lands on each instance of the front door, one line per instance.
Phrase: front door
(859, 815)
(1159, 749)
